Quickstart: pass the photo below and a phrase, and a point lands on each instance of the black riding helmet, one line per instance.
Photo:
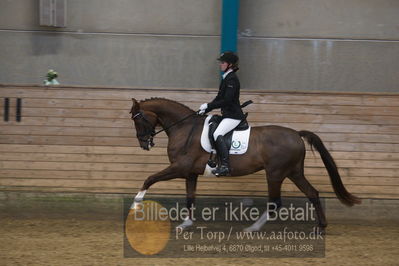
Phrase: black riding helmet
(228, 57)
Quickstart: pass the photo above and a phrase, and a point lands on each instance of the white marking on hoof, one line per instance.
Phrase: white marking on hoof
(259, 223)
(187, 223)
(138, 199)
(140, 195)
(251, 228)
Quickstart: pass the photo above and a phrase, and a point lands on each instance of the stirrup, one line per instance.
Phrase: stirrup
(221, 171)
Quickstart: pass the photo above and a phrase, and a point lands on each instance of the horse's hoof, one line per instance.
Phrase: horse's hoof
(251, 229)
(186, 224)
(135, 205)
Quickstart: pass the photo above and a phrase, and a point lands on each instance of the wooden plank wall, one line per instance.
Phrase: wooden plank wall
(74, 139)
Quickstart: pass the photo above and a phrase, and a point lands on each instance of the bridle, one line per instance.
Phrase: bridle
(149, 131)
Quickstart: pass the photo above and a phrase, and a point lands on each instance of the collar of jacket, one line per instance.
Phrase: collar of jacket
(226, 73)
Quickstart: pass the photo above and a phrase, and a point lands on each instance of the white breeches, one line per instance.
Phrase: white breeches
(227, 125)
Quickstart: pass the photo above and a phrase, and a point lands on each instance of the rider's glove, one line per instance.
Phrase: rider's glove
(202, 108)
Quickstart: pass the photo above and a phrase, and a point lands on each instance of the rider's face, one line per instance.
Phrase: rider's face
(223, 66)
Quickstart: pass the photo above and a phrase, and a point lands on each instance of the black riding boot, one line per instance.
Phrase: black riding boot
(223, 153)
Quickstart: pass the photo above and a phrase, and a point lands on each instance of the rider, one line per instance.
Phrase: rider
(228, 100)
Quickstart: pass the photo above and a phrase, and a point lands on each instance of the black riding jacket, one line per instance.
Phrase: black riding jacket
(228, 98)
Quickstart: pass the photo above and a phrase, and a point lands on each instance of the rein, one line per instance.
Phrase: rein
(172, 125)
(153, 134)
(195, 113)
(150, 140)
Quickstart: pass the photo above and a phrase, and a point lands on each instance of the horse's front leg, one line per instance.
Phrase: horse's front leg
(191, 187)
(168, 173)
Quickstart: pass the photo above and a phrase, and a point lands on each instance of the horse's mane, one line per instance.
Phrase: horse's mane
(166, 100)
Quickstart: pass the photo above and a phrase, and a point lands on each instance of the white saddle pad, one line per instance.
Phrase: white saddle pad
(239, 142)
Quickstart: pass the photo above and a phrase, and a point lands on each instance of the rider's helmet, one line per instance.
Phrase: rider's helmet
(231, 58)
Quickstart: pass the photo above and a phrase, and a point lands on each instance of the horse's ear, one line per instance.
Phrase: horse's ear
(135, 107)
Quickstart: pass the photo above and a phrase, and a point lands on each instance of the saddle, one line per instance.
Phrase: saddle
(214, 123)
(237, 139)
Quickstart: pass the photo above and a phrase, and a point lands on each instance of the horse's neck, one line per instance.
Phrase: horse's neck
(168, 113)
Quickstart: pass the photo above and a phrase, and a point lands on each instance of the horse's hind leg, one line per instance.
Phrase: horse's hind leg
(274, 181)
(313, 195)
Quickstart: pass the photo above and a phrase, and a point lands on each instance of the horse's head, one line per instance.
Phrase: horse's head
(145, 122)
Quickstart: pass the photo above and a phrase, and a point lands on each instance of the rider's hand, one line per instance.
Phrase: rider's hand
(202, 108)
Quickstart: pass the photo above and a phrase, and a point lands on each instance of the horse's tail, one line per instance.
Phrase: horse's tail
(343, 195)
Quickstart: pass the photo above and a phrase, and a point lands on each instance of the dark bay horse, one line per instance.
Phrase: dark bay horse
(280, 151)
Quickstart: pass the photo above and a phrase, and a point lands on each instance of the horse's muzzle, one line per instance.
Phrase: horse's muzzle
(147, 144)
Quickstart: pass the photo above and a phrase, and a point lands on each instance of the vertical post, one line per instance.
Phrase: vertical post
(6, 111)
(230, 11)
(19, 110)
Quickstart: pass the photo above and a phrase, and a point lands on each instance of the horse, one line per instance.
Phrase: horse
(280, 151)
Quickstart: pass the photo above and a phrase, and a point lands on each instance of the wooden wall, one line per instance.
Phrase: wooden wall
(74, 139)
